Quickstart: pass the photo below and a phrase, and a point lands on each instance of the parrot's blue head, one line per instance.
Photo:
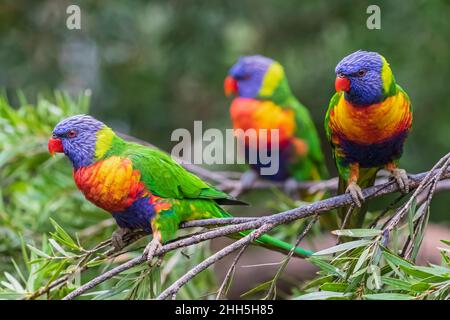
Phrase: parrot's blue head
(76, 137)
(365, 77)
(254, 77)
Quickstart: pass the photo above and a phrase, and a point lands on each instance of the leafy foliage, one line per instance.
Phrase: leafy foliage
(47, 227)
(365, 269)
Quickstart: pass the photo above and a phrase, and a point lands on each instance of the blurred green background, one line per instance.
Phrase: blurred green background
(154, 66)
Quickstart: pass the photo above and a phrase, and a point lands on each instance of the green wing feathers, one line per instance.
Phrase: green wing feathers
(165, 178)
(192, 197)
(306, 130)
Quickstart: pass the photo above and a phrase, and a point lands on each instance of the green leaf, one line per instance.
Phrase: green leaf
(358, 273)
(13, 281)
(325, 266)
(335, 287)
(58, 247)
(318, 281)
(342, 247)
(38, 252)
(262, 287)
(357, 233)
(322, 295)
(388, 296)
(63, 235)
(416, 272)
(396, 283)
(411, 213)
(421, 234)
(420, 286)
(362, 259)
(376, 276)
(396, 260)
(435, 270)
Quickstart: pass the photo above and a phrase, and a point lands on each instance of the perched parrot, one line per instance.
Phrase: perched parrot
(263, 100)
(142, 188)
(367, 122)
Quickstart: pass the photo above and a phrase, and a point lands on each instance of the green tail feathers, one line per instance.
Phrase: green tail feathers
(275, 244)
(269, 242)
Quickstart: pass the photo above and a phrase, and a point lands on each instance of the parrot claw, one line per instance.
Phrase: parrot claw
(291, 188)
(402, 179)
(150, 251)
(355, 191)
(117, 238)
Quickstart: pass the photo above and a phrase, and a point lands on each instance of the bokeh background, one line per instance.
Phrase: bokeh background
(154, 66)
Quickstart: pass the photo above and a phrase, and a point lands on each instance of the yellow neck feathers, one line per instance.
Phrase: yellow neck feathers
(104, 140)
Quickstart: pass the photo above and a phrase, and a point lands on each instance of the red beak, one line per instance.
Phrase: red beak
(342, 84)
(55, 145)
(230, 86)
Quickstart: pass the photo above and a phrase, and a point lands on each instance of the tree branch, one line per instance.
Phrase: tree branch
(263, 223)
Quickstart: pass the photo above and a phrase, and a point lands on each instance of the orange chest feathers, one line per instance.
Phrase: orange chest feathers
(111, 184)
(254, 114)
(371, 124)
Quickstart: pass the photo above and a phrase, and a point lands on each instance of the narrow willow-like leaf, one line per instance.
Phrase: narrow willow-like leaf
(411, 213)
(318, 281)
(261, 287)
(357, 233)
(325, 266)
(342, 247)
(396, 260)
(425, 276)
(388, 296)
(396, 283)
(335, 287)
(420, 286)
(322, 295)
(362, 259)
(58, 248)
(38, 252)
(15, 283)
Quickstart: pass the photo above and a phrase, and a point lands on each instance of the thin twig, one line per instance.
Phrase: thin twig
(345, 221)
(223, 290)
(272, 290)
(175, 287)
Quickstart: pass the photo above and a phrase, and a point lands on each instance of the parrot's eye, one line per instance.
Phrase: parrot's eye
(54, 136)
(242, 77)
(361, 73)
(341, 75)
(71, 134)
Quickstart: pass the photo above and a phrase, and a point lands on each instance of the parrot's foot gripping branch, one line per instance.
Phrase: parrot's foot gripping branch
(151, 249)
(402, 179)
(355, 191)
(117, 238)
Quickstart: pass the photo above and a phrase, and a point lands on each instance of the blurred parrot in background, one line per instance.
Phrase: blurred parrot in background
(367, 122)
(263, 100)
(142, 188)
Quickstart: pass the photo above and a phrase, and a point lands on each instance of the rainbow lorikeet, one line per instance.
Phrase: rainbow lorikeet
(142, 188)
(367, 123)
(264, 101)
